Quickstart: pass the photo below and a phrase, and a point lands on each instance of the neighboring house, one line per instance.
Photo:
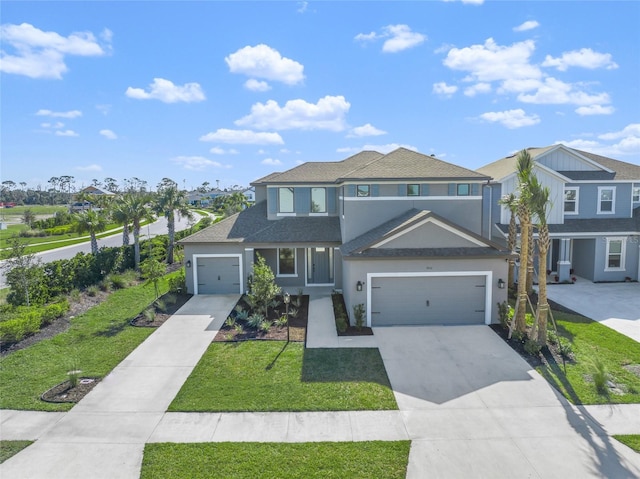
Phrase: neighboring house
(399, 233)
(93, 190)
(594, 214)
(250, 194)
(197, 198)
(77, 206)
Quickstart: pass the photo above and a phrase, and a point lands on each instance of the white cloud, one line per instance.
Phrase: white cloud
(271, 162)
(262, 61)
(40, 54)
(256, 85)
(261, 152)
(246, 137)
(104, 109)
(511, 118)
(583, 58)
(554, 91)
(467, 2)
(595, 110)
(56, 126)
(402, 38)
(528, 25)
(328, 114)
(216, 150)
(197, 163)
(441, 88)
(398, 38)
(627, 142)
(632, 130)
(477, 88)
(302, 7)
(66, 133)
(59, 114)
(108, 134)
(167, 92)
(92, 167)
(493, 62)
(365, 130)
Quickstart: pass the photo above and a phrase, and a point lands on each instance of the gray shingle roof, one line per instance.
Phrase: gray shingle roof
(400, 164)
(622, 170)
(361, 246)
(252, 226)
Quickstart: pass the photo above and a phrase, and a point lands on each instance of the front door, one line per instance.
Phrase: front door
(320, 266)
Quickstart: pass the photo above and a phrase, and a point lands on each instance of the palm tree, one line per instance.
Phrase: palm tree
(525, 166)
(511, 202)
(137, 208)
(539, 202)
(120, 214)
(91, 222)
(171, 200)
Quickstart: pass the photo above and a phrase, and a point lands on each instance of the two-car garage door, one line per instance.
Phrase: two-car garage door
(425, 300)
(218, 275)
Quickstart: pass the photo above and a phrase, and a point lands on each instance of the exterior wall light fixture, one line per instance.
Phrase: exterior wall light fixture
(500, 283)
(359, 286)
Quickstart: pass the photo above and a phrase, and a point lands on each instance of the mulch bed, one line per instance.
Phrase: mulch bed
(338, 307)
(297, 325)
(63, 392)
(161, 315)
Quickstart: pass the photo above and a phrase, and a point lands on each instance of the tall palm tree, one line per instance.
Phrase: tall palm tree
(169, 201)
(92, 222)
(525, 166)
(120, 213)
(137, 207)
(511, 202)
(539, 203)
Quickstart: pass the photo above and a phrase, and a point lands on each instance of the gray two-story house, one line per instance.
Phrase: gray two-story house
(399, 233)
(594, 213)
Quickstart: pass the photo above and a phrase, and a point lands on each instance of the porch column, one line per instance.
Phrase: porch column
(248, 261)
(564, 261)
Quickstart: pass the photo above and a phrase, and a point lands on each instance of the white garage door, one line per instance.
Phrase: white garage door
(218, 275)
(426, 300)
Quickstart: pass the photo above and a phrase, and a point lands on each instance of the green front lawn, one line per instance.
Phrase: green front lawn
(276, 376)
(631, 440)
(592, 341)
(322, 460)
(11, 448)
(96, 342)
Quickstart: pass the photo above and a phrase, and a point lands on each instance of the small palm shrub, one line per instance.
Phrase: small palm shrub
(238, 328)
(532, 347)
(293, 312)
(341, 323)
(565, 348)
(281, 321)
(600, 376)
(230, 322)
(93, 290)
(358, 314)
(254, 320)
(265, 326)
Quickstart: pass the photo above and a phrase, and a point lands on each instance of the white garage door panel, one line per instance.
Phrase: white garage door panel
(428, 300)
(218, 275)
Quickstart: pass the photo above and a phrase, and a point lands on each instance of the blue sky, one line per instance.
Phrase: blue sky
(232, 91)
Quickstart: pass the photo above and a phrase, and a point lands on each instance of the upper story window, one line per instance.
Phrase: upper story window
(413, 190)
(285, 200)
(606, 199)
(635, 196)
(318, 200)
(571, 201)
(463, 189)
(363, 190)
(615, 256)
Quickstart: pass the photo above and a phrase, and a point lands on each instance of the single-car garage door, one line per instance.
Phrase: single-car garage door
(424, 300)
(218, 275)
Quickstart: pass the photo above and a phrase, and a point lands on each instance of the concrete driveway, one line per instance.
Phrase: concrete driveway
(616, 305)
(474, 408)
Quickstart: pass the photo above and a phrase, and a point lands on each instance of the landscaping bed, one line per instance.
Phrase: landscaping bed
(343, 327)
(160, 310)
(238, 329)
(66, 392)
(250, 460)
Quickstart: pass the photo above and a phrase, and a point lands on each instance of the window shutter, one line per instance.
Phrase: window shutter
(452, 189)
(375, 190)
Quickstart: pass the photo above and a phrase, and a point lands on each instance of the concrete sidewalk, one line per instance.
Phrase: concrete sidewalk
(104, 435)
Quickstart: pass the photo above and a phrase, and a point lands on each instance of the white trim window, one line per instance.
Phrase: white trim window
(285, 200)
(363, 191)
(571, 198)
(606, 200)
(287, 262)
(635, 195)
(615, 254)
(463, 189)
(413, 189)
(318, 200)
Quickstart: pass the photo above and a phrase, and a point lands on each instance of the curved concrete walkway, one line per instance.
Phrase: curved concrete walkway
(468, 403)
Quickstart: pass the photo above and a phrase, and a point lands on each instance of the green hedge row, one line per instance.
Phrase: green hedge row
(25, 321)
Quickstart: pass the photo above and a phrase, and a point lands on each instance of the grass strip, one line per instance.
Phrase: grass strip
(322, 460)
(631, 440)
(11, 448)
(276, 376)
(95, 343)
(593, 341)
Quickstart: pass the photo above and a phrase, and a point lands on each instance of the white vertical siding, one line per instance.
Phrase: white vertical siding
(561, 160)
(556, 196)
